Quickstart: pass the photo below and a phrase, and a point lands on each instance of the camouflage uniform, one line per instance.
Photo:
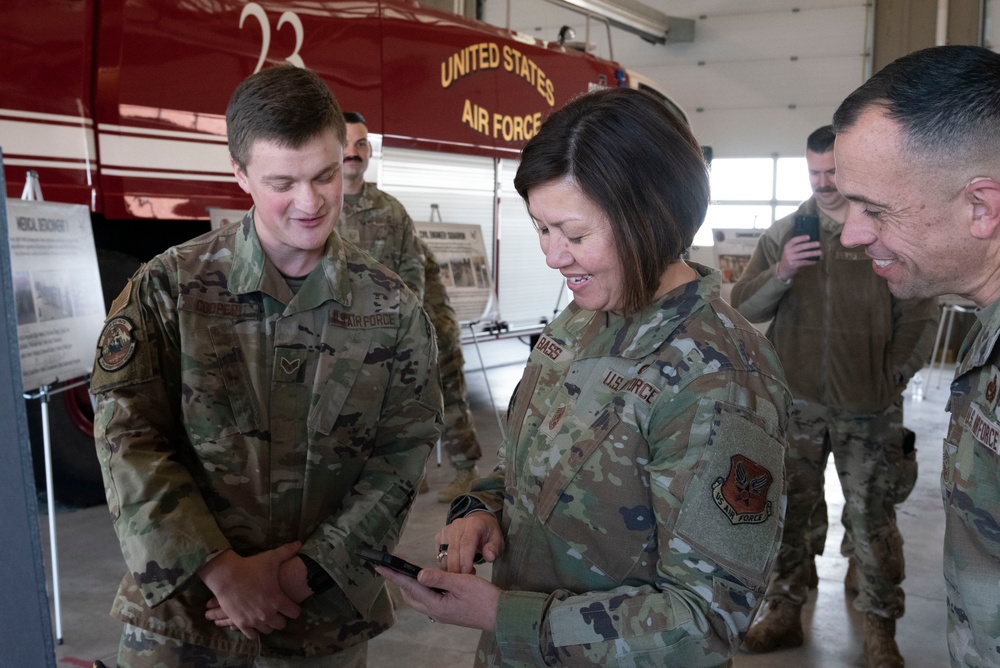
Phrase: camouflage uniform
(640, 487)
(232, 414)
(848, 349)
(970, 485)
(379, 224)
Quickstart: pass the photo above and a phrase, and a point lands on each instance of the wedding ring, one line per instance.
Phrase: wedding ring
(433, 621)
(442, 552)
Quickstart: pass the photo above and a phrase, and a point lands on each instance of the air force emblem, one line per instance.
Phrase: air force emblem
(742, 494)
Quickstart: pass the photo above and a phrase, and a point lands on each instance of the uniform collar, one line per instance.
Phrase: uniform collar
(369, 193)
(982, 338)
(600, 333)
(252, 271)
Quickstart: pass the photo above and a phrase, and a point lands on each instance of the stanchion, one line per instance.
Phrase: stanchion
(44, 395)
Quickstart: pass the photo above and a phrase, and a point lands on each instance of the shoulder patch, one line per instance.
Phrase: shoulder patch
(742, 494)
(116, 345)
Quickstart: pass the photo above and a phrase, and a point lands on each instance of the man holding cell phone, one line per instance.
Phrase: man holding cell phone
(848, 348)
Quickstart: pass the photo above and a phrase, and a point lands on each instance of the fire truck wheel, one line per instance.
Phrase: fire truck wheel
(76, 474)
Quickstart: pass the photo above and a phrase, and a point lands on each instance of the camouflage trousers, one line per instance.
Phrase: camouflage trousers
(866, 450)
(140, 648)
(459, 438)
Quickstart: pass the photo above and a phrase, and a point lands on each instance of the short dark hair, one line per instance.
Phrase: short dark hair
(286, 104)
(821, 139)
(636, 161)
(354, 117)
(945, 98)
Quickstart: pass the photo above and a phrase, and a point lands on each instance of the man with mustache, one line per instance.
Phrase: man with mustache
(848, 349)
(378, 223)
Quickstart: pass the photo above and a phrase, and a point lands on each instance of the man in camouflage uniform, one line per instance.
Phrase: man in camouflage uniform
(848, 349)
(378, 223)
(267, 398)
(918, 157)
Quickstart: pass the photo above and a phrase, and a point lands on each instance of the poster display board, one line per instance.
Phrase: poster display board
(461, 253)
(57, 290)
(733, 248)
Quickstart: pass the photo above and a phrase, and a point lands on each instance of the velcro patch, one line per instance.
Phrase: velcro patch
(548, 347)
(746, 455)
(116, 344)
(121, 300)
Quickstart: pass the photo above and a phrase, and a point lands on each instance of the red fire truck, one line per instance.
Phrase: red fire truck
(120, 105)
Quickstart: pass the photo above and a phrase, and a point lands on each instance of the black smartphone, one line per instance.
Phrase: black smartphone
(383, 558)
(807, 223)
(392, 562)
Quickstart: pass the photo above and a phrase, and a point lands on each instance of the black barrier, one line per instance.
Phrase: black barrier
(25, 624)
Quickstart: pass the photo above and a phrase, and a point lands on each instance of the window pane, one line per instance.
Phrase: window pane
(732, 215)
(793, 180)
(782, 211)
(742, 178)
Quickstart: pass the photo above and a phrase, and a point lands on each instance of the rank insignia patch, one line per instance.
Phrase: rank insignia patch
(991, 388)
(116, 345)
(742, 494)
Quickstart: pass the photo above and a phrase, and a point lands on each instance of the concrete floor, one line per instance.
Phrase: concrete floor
(90, 563)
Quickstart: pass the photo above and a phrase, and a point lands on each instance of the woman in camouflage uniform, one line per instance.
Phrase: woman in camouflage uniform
(637, 505)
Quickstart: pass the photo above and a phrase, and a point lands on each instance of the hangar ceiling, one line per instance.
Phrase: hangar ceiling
(758, 76)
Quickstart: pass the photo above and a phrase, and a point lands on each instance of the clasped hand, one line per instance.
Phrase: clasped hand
(256, 595)
(468, 600)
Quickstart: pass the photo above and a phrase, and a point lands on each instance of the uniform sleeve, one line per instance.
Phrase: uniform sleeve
(375, 511)
(164, 527)
(412, 254)
(717, 478)
(913, 330)
(757, 293)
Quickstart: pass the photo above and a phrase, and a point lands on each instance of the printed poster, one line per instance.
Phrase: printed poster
(57, 290)
(733, 248)
(461, 253)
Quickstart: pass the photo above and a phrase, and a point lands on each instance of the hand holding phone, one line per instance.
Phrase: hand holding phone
(807, 224)
(390, 561)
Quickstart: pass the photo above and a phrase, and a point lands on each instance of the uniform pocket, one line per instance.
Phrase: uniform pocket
(598, 499)
(218, 399)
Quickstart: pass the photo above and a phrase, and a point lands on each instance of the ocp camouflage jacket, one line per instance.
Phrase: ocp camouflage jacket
(640, 487)
(232, 414)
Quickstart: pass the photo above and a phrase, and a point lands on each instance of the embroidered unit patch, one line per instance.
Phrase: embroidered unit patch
(117, 344)
(742, 494)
